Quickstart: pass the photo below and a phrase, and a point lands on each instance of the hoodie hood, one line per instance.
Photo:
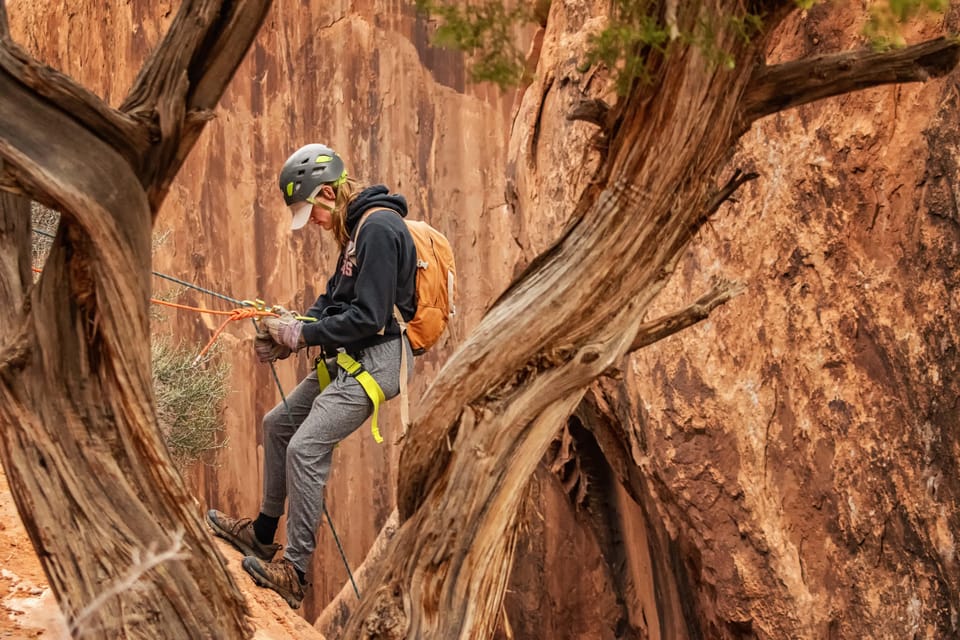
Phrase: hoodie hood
(375, 196)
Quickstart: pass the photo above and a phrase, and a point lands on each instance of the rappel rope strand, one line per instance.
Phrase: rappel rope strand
(234, 315)
(170, 278)
(333, 530)
(240, 314)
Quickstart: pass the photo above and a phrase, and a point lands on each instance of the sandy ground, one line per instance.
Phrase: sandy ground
(27, 606)
(29, 610)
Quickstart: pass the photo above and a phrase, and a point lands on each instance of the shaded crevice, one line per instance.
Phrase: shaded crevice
(593, 486)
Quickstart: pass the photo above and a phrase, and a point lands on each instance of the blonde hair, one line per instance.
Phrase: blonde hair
(346, 193)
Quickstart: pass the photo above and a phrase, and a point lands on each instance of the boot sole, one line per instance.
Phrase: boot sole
(236, 542)
(262, 581)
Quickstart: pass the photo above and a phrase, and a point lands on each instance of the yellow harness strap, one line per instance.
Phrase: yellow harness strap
(323, 374)
(361, 375)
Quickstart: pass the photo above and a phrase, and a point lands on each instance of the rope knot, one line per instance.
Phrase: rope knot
(243, 313)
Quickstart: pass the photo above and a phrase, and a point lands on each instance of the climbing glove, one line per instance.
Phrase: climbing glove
(268, 350)
(285, 331)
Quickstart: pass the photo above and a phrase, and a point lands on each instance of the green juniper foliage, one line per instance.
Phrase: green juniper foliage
(626, 43)
(189, 399)
(486, 30)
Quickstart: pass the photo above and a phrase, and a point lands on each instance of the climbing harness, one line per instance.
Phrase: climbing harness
(363, 377)
(344, 360)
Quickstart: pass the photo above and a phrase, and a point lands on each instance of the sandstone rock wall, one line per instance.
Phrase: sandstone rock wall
(805, 436)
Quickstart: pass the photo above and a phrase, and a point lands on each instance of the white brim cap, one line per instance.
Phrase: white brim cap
(301, 214)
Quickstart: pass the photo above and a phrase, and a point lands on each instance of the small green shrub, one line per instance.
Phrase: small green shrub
(189, 399)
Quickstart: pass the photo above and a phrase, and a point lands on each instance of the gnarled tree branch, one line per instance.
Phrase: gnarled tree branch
(184, 79)
(791, 84)
(656, 330)
(334, 616)
(88, 315)
(15, 277)
(173, 95)
(31, 126)
(8, 180)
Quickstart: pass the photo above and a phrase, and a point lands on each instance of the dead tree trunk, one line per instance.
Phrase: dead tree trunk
(114, 527)
(493, 410)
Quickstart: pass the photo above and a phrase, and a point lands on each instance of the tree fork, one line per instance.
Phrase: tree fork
(612, 252)
(79, 417)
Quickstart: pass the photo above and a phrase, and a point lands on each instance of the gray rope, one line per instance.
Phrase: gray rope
(170, 278)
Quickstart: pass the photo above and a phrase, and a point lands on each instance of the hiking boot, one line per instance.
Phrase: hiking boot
(281, 576)
(239, 533)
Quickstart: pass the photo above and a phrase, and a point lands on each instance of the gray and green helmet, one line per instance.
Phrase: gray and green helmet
(305, 171)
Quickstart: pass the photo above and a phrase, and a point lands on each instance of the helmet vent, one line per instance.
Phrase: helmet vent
(307, 169)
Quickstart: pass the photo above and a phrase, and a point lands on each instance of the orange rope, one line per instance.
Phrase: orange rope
(241, 313)
(188, 308)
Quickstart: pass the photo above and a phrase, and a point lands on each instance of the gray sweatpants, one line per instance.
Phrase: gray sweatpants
(297, 453)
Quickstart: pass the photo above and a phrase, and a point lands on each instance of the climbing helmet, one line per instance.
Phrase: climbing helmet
(304, 173)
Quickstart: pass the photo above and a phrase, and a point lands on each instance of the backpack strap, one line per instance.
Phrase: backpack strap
(352, 251)
(404, 403)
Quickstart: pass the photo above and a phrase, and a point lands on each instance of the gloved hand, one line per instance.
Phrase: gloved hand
(268, 350)
(285, 330)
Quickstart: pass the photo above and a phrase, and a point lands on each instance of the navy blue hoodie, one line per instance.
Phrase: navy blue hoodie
(359, 299)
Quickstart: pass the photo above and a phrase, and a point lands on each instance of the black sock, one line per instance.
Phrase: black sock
(265, 528)
(301, 575)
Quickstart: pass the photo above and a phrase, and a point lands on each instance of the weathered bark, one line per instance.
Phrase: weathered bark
(94, 484)
(581, 304)
(183, 80)
(14, 262)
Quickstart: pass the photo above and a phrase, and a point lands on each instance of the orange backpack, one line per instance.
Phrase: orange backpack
(436, 285)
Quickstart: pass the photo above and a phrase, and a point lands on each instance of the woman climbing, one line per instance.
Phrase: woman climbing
(354, 319)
